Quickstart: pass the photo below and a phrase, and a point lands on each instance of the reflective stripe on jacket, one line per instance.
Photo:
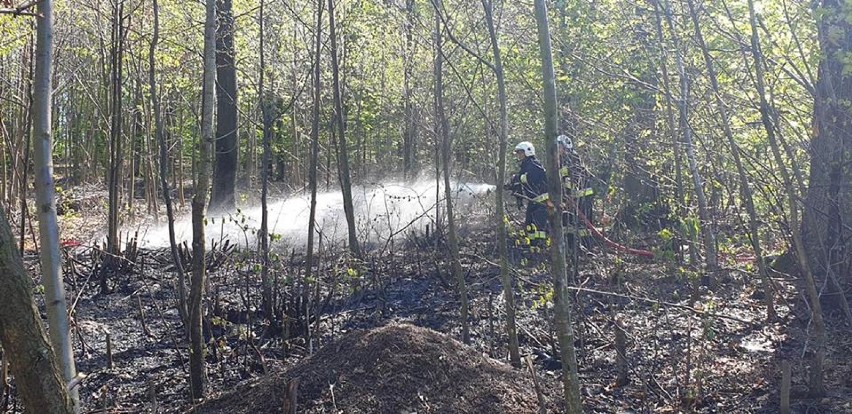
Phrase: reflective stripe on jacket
(533, 179)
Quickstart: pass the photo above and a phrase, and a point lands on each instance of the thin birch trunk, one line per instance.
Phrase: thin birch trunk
(263, 234)
(745, 187)
(670, 123)
(443, 128)
(164, 162)
(115, 140)
(342, 148)
(502, 236)
(709, 238)
(197, 368)
(562, 310)
(314, 161)
(51, 259)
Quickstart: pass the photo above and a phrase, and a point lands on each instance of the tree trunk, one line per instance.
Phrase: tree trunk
(562, 311)
(409, 138)
(342, 148)
(136, 144)
(817, 388)
(5, 137)
(745, 188)
(25, 164)
(164, 162)
(37, 370)
(710, 260)
(4, 171)
(676, 147)
(197, 369)
(500, 219)
(180, 173)
(443, 128)
(314, 161)
(150, 175)
(115, 141)
(263, 234)
(826, 224)
(226, 139)
(22, 148)
(51, 260)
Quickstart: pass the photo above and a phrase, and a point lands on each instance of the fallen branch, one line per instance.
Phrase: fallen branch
(542, 404)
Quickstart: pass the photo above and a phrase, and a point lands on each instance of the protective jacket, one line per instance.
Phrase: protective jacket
(531, 180)
(576, 179)
(531, 183)
(577, 193)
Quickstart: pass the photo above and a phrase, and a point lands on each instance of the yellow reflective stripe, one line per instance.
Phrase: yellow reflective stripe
(534, 235)
(542, 198)
(584, 192)
(524, 178)
(567, 184)
(563, 172)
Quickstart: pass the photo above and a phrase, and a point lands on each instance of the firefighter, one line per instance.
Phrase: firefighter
(530, 183)
(577, 191)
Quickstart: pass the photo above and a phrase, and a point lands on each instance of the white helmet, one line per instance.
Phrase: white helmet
(565, 142)
(527, 147)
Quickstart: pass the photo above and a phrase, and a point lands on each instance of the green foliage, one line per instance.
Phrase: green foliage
(690, 226)
(14, 32)
(545, 297)
(708, 332)
(608, 70)
(352, 273)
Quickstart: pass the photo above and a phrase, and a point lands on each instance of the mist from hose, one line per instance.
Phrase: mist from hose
(382, 212)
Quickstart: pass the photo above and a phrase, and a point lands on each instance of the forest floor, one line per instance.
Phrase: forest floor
(390, 345)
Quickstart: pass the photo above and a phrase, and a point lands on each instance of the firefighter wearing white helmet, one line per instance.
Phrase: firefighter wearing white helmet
(565, 143)
(526, 147)
(530, 183)
(577, 191)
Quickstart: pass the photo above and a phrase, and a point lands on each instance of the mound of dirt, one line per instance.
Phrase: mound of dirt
(397, 368)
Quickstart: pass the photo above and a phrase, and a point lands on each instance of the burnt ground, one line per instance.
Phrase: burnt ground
(385, 337)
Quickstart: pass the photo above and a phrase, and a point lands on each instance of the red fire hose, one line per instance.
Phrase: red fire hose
(591, 227)
(610, 243)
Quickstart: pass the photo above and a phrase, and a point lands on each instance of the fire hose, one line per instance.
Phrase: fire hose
(595, 232)
(611, 244)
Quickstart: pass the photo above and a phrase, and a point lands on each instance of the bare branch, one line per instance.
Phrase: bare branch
(22, 10)
(445, 22)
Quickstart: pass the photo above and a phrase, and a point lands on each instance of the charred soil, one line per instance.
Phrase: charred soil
(378, 335)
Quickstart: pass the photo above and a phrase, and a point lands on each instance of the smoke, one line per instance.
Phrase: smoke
(382, 212)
